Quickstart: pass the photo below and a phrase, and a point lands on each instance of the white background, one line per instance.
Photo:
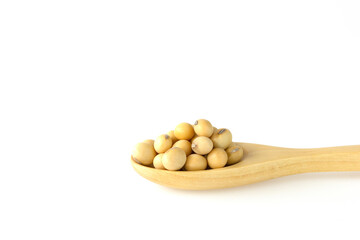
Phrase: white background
(81, 82)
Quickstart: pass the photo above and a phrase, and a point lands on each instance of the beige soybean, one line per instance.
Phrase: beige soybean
(217, 158)
(203, 127)
(149, 141)
(195, 162)
(235, 153)
(222, 138)
(158, 161)
(193, 138)
(174, 159)
(172, 136)
(214, 131)
(184, 145)
(184, 131)
(162, 143)
(144, 153)
(233, 144)
(202, 145)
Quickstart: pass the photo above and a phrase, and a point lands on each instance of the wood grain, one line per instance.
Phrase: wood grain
(260, 163)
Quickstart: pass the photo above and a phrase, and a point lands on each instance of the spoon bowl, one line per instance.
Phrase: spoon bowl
(259, 163)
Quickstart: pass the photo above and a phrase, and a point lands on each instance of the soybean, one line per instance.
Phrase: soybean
(217, 158)
(222, 138)
(162, 143)
(202, 145)
(149, 141)
(184, 131)
(174, 159)
(144, 153)
(172, 136)
(203, 127)
(184, 145)
(158, 161)
(195, 162)
(235, 153)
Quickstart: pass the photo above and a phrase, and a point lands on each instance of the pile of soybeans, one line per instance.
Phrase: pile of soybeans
(189, 147)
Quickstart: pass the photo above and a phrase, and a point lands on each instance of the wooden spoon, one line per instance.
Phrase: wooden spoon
(259, 163)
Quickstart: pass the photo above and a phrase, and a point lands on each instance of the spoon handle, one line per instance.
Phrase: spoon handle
(344, 158)
(263, 162)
